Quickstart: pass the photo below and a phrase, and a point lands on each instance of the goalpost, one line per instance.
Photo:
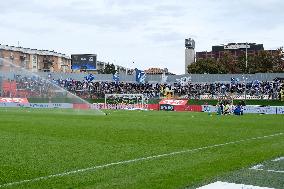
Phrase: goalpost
(125, 101)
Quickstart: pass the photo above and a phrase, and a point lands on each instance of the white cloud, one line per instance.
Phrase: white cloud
(149, 32)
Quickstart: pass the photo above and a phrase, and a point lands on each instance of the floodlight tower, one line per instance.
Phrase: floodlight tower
(189, 53)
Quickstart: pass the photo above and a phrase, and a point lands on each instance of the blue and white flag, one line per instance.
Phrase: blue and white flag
(140, 76)
(184, 80)
(69, 79)
(256, 83)
(34, 78)
(234, 81)
(49, 76)
(164, 78)
(90, 77)
(115, 78)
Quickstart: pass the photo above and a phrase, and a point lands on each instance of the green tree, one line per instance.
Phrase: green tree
(229, 63)
(264, 62)
(241, 64)
(278, 60)
(193, 68)
(108, 69)
(209, 66)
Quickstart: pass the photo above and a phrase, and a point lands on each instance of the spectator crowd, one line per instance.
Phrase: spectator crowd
(97, 89)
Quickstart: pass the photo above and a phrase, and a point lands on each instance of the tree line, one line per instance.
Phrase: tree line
(262, 62)
(108, 69)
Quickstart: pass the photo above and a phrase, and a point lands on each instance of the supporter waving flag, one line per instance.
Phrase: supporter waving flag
(115, 78)
(90, 77)
(256, 83)
(140, 76)
(234, 81)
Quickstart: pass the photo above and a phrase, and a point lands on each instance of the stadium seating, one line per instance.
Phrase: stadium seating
(34, 87)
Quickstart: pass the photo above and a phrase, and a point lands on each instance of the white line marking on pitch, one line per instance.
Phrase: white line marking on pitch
(133, 160)
(257, 167)
(268, 170)
(278, 159)
(260, 167)
(226, 185)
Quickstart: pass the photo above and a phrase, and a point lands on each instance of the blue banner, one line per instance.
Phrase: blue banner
(90, 77)
(140, 76)
(115, 78)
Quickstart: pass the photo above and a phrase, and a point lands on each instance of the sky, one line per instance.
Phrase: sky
(149, 33)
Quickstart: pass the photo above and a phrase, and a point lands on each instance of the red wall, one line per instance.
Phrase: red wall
(180, 108)
(81, 106)
(191, 108)
(194, 108)
(153, 106)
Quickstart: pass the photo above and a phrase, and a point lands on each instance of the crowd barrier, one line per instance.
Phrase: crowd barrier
(118, 106)
(236, 97)
(36, 105)
(250, 109)
(193, 108)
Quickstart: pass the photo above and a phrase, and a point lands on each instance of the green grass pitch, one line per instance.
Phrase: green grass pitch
(38, 146)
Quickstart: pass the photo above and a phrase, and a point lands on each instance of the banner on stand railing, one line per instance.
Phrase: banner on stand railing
(14, 100)
(36, 105)
(251, 109)
(235, 97)
(174, 102)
